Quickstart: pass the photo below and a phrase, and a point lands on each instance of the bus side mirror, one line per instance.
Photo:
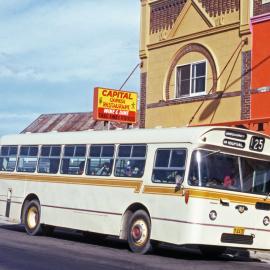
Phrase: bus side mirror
(178, 181)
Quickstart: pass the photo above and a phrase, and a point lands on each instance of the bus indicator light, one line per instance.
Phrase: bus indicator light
(213, 215)
(266, 221)
(186, 196)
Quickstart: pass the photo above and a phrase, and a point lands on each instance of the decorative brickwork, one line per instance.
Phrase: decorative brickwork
(143, 99)
(164, 14)
(193, 47)
(217, 7)
(245, 85)
(260, 8)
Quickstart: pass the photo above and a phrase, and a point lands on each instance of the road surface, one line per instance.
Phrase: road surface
(70, 250)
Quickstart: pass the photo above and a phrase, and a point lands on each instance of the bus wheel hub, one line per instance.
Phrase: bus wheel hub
(139, 232)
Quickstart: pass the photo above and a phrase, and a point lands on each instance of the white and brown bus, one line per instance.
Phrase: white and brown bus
(207, 186)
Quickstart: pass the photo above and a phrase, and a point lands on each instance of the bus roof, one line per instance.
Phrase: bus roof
(157, 135)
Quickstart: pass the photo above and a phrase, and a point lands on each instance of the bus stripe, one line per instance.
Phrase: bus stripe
(82, 210)
(135, 184)
(204, 194)
(11, 201)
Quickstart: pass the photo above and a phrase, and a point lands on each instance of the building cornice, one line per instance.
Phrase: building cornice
(211, 31)
(142, 54)
(152, 2)
(260, 18)
(213, 96)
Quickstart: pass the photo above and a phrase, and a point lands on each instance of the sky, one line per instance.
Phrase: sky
(54, 52)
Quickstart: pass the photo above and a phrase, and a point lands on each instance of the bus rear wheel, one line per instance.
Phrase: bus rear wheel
(138, 234)
(31, 218)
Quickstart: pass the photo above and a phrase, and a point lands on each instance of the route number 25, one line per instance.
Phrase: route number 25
(257, 143)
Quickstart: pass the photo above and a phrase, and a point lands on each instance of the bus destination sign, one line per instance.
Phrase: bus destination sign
(114, 105)
(236, 134)
(234, 143)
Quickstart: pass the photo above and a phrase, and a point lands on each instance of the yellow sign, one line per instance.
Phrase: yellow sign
(115, 105)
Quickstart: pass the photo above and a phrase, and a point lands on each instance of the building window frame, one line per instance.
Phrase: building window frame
(191, 79)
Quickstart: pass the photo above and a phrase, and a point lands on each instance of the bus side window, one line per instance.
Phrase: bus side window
(49, 159)
(130, 161)
(73, 160)
(8, 158)
(100, 161)
(169, 165)
(27, 161)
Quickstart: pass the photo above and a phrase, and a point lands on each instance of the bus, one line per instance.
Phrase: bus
(203, 186)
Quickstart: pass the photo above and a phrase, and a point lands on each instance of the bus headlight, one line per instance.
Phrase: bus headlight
(266, 221)
(213, 215)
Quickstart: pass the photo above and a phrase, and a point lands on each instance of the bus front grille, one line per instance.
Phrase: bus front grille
(237, 239)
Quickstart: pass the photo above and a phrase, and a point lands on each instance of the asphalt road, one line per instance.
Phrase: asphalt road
(70, 250)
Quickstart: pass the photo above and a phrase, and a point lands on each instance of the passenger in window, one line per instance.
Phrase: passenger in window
(105, 170)
(171, 176)
(194, 181)
(81, 168)
(136, 172)
(212, 183)
(229, 181)
(158, 176)
(128, 171)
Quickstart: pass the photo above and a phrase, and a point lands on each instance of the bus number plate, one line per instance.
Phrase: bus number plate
(238, 230)
(257, 143)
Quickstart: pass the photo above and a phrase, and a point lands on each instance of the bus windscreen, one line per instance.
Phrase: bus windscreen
(223, 171)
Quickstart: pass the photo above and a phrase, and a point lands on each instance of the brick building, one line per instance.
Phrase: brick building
(196, 61)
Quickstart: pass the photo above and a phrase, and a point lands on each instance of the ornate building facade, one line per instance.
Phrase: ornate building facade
(196, 62)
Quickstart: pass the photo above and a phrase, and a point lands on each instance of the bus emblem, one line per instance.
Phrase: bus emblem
(241, 208)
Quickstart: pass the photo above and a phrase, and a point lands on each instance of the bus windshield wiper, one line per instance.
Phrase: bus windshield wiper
(212, 153)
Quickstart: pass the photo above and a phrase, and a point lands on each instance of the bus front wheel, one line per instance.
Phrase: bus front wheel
(31, 217)
(138, 234)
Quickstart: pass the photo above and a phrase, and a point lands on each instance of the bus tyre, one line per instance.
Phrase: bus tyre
(138, 234)
(31, 217)
(212, 251)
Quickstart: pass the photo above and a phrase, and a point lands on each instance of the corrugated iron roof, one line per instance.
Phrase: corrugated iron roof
(62, 122)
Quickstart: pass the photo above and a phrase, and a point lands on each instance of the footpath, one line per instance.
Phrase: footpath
(253, 254)
(260, 255)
